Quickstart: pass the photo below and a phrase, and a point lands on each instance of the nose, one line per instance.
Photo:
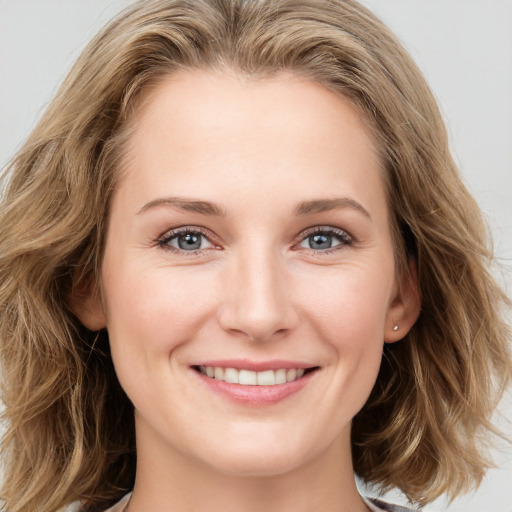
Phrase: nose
(257, 297)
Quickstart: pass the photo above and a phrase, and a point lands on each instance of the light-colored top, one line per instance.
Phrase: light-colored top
(376, 505)
(120, 505)
(373, 504)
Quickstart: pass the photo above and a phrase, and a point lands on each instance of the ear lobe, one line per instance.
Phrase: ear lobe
(85, 302)
(405, 308)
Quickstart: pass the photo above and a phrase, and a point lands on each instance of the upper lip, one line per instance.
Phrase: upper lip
(255, 366)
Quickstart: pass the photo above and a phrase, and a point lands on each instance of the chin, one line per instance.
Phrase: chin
(259, 457)
(257, 466)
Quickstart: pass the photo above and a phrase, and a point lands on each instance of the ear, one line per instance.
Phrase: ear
(404, 308)
(85, 302)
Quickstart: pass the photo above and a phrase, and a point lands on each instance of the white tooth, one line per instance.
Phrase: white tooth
(250, 378)
(280, 376)
(231, 375)
(291, 375)
(247, 377)
(266, 378)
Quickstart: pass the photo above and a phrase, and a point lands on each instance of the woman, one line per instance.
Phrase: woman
(238, 264)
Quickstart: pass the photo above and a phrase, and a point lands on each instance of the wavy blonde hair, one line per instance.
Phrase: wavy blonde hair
(70, 427)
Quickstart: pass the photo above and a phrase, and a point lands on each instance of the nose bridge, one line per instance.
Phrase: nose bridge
(257, 302)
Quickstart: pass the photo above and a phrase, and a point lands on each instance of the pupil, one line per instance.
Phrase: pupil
(189, 241)
(320, 241)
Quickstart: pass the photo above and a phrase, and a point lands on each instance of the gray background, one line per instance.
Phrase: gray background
(463, 46)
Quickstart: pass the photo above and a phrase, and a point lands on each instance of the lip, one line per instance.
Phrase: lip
(255, 396)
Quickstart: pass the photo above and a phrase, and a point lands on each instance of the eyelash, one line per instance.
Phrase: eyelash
(343, 237)
(164, 240)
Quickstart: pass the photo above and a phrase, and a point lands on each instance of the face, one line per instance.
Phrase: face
(248, 279)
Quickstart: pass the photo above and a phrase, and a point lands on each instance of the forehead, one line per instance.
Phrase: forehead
(225, 98)
(281, 130)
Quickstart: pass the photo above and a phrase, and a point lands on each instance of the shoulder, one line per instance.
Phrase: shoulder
(377, 505)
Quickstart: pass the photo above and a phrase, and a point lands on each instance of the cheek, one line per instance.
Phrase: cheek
(150, 316)
(348, 303)
(151, 313)
(348, 309)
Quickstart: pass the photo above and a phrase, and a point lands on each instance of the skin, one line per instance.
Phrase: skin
(256, 289)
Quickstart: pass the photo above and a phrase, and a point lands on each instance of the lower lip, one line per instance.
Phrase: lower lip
(257, 396)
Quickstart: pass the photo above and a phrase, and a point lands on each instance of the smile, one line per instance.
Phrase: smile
(255, 383)
(252, 378)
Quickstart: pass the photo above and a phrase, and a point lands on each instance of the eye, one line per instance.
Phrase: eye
(321, 239)
(185, 240)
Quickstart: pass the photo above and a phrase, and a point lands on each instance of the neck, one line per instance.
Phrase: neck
(170, 481)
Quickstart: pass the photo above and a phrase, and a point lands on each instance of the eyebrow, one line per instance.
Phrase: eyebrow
(188, 205)
(324, 205)
(304, 208)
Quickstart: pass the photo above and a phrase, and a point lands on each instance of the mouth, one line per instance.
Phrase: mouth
(255, 383)
(246, 377)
